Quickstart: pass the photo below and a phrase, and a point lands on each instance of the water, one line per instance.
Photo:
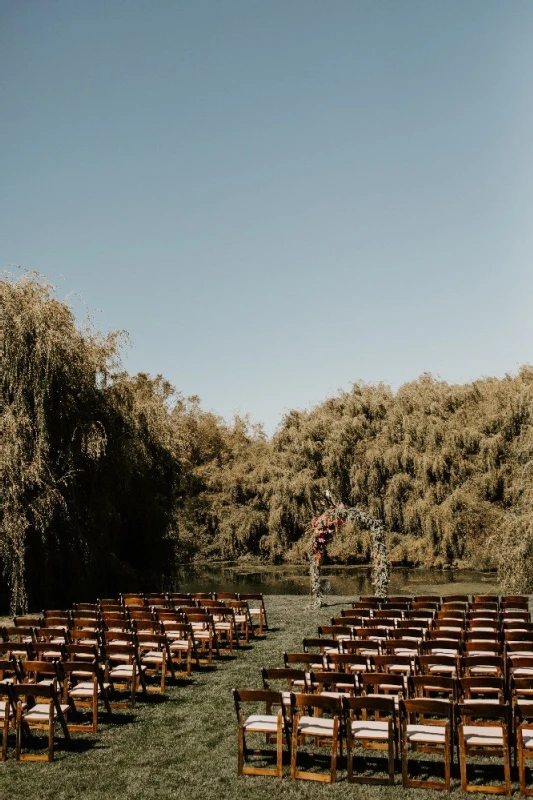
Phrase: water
(289, 579)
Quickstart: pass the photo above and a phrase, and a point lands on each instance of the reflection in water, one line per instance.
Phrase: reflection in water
(288, 579)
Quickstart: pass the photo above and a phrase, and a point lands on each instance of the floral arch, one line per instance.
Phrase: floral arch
(324, 529)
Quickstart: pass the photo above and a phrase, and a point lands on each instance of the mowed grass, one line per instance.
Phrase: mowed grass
(185, 745)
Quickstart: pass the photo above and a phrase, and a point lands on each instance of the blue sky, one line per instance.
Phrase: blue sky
(277, 198)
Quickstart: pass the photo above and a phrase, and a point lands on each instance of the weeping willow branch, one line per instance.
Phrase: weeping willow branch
(325, 527)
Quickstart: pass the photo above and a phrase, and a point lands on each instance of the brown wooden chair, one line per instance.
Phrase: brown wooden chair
(347, 662)
(181, 644)
(371, 722)
(489, 737)
(319, 728)
(522, 704)
(490, 665)
(434, 687)
(320, 644)
(332, 684)
(393, 664)
(432, 664)
(84, 688)
(309, 661)
(124, 673)
(34, 714)
(385, 684)
(426, 725)
(425, 613)
(7, 712)
(481, 689)
(205, 637)
(267, 724)
(291, 680)
(243, 619)
(155, 659)
(257, 609)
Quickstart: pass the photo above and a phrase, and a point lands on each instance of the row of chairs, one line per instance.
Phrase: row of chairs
(399, 726)
(477, 695)
(64, 665)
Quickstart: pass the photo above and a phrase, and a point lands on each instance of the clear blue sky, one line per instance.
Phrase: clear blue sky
(277, 198)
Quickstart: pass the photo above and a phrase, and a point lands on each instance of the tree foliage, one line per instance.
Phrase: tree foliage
(109, 478)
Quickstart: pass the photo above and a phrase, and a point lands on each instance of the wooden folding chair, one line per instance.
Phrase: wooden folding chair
(371, 722)
(266, 724)
(432, 732)
(347, 662)
(83, 688)
(308, 660)
(487, 738)
(523, 726)
(294, 680)
(321, 729)
(20, 639)
(124, 673)
(321, 644)
(181, 644)
(434, 687)
(7, 706)
(256, 607)
(225, 627)
(472, 666)
(155, 658)
(34, 714)
(204, 633)
(243, 619)
(431, 664)
(332, 684)
(385, 684)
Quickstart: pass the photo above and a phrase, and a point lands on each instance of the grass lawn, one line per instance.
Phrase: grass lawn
(184, 746)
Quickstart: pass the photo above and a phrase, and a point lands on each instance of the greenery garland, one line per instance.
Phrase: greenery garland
(324, 529)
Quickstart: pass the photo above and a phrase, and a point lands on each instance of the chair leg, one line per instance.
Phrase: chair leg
(391, 760)
(51, 734)
(462, 760)
(294, 748)
(334, 747)
(240, 758)
(6, 732)
(507, 768)
(279, 754)
(18, 732)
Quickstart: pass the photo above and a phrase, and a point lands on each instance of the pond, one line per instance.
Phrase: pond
(294, 579)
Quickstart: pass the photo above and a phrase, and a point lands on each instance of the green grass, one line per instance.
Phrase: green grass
(185, 745)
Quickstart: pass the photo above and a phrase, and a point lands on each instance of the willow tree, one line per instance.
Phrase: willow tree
(90, 464)
(324, 529)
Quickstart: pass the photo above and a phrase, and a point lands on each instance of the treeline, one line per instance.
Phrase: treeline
(109, 479)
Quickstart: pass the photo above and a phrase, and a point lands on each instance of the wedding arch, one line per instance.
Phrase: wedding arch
(324, 529)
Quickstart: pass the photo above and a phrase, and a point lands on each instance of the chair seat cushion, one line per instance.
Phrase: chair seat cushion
(261, 723)
(447, 668)
(429, 734)
(484, 670)
(40, 712)
(370, 729)
(315, 726)
(527, 739)
(153, 657)
(487, 735)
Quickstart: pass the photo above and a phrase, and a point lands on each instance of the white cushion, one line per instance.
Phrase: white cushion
(431, 734)
(261, 723)
(370, 729)
(487, 735)
(315, 726)
(527, 739)
(40, 712)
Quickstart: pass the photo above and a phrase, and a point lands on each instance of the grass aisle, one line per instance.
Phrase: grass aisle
(185, 746)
